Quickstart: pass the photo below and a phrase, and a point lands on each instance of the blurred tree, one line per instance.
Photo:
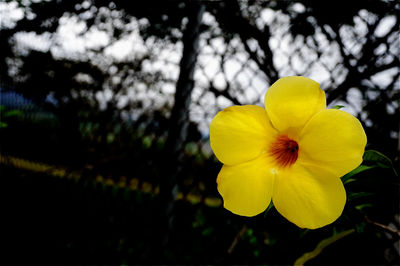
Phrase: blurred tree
(356, 52)
(364, 36)
(107, 73)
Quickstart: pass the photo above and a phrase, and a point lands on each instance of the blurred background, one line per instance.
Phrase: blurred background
(105, 110)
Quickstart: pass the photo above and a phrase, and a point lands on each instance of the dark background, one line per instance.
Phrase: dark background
(106, 159)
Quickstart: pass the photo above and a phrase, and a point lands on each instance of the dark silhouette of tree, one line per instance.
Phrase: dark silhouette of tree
(140, 120)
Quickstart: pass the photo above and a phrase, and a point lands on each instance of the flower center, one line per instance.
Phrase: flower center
(284, 151)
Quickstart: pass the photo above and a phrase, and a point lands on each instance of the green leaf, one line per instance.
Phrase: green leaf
(349, 180)
(338, 107)
(253, 240)
(146, 142)
(321, 245)
(3, 125)
(375, 159)
(356, 195)
(12, 113)
(362, 206)
(208, 231)
(379, 159)
(269, 208)
(359, 169)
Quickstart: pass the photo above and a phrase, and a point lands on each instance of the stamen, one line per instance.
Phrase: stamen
(284, 150)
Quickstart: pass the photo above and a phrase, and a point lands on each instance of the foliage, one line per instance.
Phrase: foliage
(6, 115)
(97, 115)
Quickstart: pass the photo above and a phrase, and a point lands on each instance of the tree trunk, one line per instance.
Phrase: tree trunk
(179, 119)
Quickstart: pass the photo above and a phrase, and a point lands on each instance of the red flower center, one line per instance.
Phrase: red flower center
(284, 150)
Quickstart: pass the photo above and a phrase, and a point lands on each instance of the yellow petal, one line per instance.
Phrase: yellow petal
(291, 101)
(246, 188)
(334, 140)
(308, 197)
(240, 133)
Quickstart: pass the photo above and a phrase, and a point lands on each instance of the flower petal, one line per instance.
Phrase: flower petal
(334, 140)
(246, 188)
(308, 197)
(240, 133)
(291, 101)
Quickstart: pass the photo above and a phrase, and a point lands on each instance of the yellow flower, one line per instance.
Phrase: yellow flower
(294, 152)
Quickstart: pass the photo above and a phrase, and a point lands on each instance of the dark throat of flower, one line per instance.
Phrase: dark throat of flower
(284, 151)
